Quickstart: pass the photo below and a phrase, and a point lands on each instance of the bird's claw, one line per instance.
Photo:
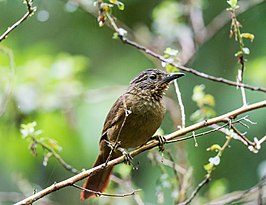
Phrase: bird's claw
(128, 157)
(161, 140)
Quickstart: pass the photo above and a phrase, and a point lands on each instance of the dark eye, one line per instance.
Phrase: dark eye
(153, 77)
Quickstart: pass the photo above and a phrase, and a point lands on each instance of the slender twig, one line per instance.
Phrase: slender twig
(208, 175)
(97, 193)
(151, 144)
(194, 193)
(189, 70)
(128, 185)
(56, 156)
(30, 11)
(196, 135)
(239, 195)
(169, 163)
(246, 140)
(182, 108)
(183, 68)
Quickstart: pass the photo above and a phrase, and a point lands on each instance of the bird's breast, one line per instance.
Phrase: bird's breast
(144, 118)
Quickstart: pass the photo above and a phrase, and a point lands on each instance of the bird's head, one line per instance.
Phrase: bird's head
(153, 81)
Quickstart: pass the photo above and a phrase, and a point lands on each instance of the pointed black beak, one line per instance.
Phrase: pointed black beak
(172, 77)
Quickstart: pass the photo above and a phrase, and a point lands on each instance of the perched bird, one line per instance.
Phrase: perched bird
(131, 122)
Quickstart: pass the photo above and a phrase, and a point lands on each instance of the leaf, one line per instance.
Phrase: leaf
(232, 3)
(215, 148)
(238, 53)
(115, 35)
(170, 52)
(121, 6)
(208, 167)
(171, 69)
(113, 1)
(208, 100)
(248, 35)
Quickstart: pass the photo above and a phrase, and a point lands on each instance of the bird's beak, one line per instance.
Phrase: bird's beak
(172, 77)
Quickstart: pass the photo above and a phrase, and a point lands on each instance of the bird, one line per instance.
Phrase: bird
(131, 122)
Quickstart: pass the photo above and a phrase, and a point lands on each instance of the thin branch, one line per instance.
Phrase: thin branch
(182, 108)
(127, 184)
(218, 22)
(205, 35)
(151, 144)
(232, 197)
(29, 13)
(189, 70)
(57, 157)
(247, 141)
(97, 193)
(194, 193)
(183, 68)
(197, 135)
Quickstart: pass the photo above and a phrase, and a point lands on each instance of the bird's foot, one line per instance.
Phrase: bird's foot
(128, 157)
(161, 140)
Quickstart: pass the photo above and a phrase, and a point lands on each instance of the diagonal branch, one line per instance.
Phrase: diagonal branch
(30, 11)
(70, 181)
(194, 193)
(149, 52)
(190, 70)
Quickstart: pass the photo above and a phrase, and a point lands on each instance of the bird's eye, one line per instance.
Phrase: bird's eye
(153, 76)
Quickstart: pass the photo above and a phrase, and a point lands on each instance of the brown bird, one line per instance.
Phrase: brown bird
(131, 122)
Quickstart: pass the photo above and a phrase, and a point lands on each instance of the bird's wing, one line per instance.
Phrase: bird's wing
(115, 117)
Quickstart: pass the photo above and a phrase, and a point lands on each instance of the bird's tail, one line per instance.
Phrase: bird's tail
(97, 182)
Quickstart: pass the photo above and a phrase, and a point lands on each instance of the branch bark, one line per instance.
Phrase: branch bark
(153, 143)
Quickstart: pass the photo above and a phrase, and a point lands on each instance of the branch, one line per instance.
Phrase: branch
(194, 193)
(153, 143)
(149, 52)
(248, 195)
(189, 70)
(30, 12)
(97, 193)
(57, 157)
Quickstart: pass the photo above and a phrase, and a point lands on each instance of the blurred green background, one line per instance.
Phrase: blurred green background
(68, 71)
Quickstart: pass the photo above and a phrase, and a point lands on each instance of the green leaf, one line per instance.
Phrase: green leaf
(208, 100)
(232, 3)
(121, 6)
(170, 52)
(248, 35)
(115, 35)
(239, 53)
(215, 148)
(113, 1)
(208, 167)
(171, 69)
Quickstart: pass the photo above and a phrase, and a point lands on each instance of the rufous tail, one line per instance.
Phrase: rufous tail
(97, 182)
